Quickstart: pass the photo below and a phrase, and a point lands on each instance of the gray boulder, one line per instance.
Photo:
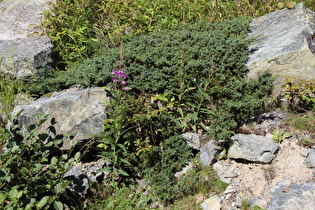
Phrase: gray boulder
(252, 148)
(82, 174)
(292, 197)
(284, 44)
(209, 152)
(226, 172)
(19, 18)
(79, 113)
(21, 55)
(24, 57)
(212, 203)
(195, 140)
(265, 123)
(310, 160)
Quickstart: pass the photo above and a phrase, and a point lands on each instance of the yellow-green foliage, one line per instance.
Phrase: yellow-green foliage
(200, 180)
(75, 26)
(303, 123)
(9, 87)
(300, 93)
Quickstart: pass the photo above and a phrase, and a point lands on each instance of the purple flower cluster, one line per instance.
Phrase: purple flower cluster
(119, 75)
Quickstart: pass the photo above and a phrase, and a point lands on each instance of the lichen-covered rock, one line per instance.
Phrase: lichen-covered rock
(79, 113)
(265, 123)
(192, 139)
(19, 18)
(22, 50)
(195, 140)
(209, 152)
(310, 160)
(82, 174)
(24, 57)
(292, 196)
(284, 44)
(252, 148)
(225, 170)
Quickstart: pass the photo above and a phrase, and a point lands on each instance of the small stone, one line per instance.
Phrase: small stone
(228, 196)
(209, 152)
(304, 152)
(310, 160)
(193, 140)
(230, 174)
(212, 203)
(230, 189)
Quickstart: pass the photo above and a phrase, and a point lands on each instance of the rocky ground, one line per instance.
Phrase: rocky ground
(286, 182)
(253, 181)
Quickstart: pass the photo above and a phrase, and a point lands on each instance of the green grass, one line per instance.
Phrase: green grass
(9, 88)
(304, 122)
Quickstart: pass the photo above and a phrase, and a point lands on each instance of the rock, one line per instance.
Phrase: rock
(231, 189)
(21, 55)
(209, 152)
(304, 152)
(79, 113)
(19, 18)
(284, 44)
(82, 174)
(192, 139)
(225, 170)
(24, 57)
(293, 196)
(310, 160)
(79, 182)
(212, 203)
(265, 123)
(195, 140)
(252, 148)
(184, 171)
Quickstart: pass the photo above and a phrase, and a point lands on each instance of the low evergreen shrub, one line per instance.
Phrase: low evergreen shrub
(201, 68)
(161, 163)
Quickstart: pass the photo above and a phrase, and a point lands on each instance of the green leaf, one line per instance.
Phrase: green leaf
(14, 194)
(53, 161)
(49, 144)
(2, 197)
(122, 172)
(38, 167)
(64, 157)
(122, 147)
(31, 127)
(58, 141)
(24, 171)
(39, 115)
(124, 161)
(60, 187)
(107, 169)
(77, 156)
(42, 202)
(102, 145)
(111, 204)
(58, 205)
(31, 204)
